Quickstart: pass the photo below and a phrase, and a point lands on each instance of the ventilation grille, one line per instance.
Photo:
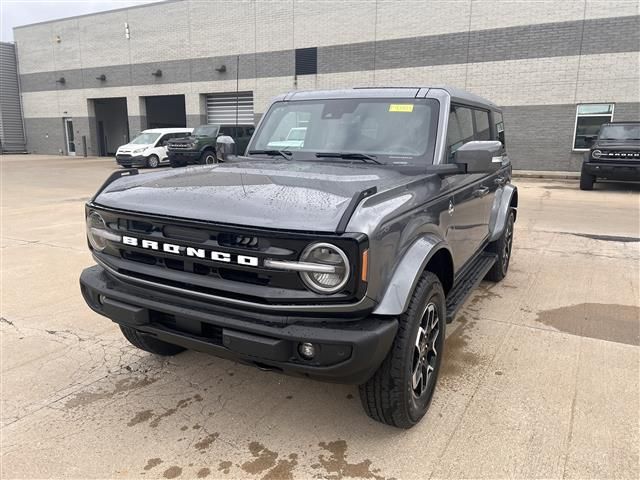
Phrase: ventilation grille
(222, 107)
(306, 61)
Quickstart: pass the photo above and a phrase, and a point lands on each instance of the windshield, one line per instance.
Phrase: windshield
(620, 132)
(145, 138)
(206, 131)
(394, 131)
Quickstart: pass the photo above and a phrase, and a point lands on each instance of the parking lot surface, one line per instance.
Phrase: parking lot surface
(540, 379)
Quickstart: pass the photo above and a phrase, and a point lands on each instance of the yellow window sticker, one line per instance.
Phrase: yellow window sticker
(401, 107)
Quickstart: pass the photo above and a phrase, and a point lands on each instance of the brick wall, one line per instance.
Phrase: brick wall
(539, 58)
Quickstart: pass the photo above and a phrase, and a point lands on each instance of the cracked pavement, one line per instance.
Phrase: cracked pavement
(540, 379)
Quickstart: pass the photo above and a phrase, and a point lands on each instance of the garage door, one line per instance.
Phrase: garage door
(222, 108)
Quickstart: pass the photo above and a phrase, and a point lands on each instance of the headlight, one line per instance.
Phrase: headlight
(596, 154)
(334, 278)
(98, 233)
(140, 150)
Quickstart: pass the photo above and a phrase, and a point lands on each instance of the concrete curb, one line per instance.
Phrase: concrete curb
(546, 174)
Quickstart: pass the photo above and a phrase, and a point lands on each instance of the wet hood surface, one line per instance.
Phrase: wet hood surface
(310, 196)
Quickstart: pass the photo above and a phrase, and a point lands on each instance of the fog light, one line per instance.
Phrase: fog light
(101, 299)
(307, 350)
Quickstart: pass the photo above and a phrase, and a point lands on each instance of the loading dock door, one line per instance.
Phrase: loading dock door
(221, 108)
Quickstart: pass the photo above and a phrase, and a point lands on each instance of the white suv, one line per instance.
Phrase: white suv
(149, 149)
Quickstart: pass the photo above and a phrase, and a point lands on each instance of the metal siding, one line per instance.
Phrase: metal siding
(11, 125)
(221, 108)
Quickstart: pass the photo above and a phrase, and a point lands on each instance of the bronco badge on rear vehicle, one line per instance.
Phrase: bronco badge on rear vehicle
(338, 248)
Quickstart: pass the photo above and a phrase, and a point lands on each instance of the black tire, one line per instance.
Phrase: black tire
(148, 343)
(586, 180)
(391, 396)
(208, 157)
(175, 163)
(503, 248)
(153, 161)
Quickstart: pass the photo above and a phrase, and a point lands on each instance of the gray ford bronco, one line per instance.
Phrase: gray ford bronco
(340, 256)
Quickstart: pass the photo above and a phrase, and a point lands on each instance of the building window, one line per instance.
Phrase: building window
(589, 117)
(306, 61)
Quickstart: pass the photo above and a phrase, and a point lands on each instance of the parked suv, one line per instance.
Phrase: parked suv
(341, 258)
(615, 155)
(200, 146)
(149, 149)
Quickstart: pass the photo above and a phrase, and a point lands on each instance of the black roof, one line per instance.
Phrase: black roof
(456, 94)
(623, 122)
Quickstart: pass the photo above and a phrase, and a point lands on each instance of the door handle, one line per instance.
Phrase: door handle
(480, 192)
(500, 181)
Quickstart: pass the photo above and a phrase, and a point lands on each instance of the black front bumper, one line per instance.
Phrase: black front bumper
(131, 160)
(187, 156)
(613, 170)
(346, 351)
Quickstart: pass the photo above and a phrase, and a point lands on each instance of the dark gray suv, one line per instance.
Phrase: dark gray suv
(339, 252)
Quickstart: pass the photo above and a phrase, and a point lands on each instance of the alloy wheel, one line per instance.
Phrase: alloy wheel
(425, 353)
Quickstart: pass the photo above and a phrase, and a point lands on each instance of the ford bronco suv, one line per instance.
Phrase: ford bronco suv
(341, 257)
(200, 146)
(615, 155)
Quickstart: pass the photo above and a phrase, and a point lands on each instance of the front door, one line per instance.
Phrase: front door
(68, 131)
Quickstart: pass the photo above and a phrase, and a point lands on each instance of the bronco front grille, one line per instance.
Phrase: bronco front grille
(206, 272)
(180, 146)
(620, 155)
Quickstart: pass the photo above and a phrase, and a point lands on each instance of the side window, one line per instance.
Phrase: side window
(228, 131)
(163, 140)
(499, 126)
(460, 128)
(482, 125)
(589, 117)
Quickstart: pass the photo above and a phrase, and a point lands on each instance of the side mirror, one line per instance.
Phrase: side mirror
(479, 156)
(225, 148)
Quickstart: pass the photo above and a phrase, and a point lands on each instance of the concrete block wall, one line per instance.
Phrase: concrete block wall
(536, 58)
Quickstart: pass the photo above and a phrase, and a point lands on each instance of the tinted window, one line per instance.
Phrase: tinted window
(499, 125)
(460, 128)
(482, 125)
(620, 132)
(205, 131)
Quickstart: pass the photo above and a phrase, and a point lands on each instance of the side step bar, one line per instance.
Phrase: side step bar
(468, 283)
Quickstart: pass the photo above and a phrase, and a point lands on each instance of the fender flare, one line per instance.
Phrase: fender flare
(407, 273)
(506, 199)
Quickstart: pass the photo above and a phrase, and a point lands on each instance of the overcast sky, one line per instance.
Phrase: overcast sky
(23, 12)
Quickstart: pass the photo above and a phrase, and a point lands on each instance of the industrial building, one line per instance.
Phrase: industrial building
(559, 68)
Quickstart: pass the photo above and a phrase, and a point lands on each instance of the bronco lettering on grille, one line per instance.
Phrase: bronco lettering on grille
(191, 251)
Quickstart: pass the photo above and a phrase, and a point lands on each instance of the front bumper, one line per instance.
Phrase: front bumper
(613, 170)
(347, 351)
(131, 160)
(188, 156)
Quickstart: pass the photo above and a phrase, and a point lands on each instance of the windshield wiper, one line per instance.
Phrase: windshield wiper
(272, 153)
(349, 156)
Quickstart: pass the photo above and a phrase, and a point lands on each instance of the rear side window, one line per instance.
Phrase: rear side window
(460, 128)
(482, 125)
(499, 127)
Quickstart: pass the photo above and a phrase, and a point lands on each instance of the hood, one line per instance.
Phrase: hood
(310, 196)
(617, 144)
(186, 138)
(129, 147)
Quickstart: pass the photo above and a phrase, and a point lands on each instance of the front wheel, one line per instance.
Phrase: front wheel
(175, 163)
(502, 247)
(586, 181)
(400, 392)
(208, 158)
(153, 161)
